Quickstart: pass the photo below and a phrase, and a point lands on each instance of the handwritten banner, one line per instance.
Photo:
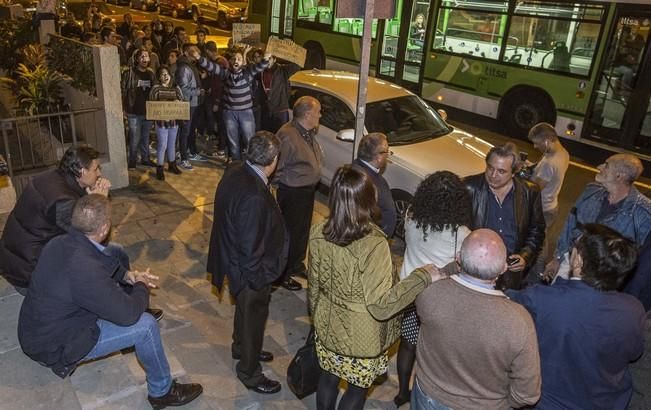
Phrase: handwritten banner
(287, 50)
(168, 110)
(246, 34)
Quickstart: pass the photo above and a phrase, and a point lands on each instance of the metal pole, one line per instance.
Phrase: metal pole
(364, 63)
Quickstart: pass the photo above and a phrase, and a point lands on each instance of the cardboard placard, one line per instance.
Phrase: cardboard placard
(168, 110)
(245, 33)
(287, 50)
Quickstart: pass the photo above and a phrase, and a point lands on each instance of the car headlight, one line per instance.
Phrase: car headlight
(233, 12)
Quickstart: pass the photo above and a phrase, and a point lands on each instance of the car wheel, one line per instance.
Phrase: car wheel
(222, 22)
(175, 13)
(402, 201)
(523, 108)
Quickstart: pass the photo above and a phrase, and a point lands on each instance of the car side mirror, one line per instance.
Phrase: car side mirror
(347, 135)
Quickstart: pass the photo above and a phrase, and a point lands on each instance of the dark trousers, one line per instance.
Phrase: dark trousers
(251, 311)
(296, 205)
(186, 132)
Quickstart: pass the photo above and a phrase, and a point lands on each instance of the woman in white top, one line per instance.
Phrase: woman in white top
(435, 227)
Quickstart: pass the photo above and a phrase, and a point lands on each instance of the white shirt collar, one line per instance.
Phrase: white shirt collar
(377, 170)
(474, 287)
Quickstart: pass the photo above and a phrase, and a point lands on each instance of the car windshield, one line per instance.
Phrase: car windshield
(405, 120)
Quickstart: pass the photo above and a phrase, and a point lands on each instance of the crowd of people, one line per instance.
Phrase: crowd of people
(231, 95)
(490, 310)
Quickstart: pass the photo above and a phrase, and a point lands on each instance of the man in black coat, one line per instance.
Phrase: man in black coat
(510, 206)
(76, 311)
(372, 158)
(43, 211)
(249, 245)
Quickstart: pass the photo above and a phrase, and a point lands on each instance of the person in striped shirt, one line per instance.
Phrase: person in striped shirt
(237, 98)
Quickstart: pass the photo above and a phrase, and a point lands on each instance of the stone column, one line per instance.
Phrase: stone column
(46, 28)
(107, 80)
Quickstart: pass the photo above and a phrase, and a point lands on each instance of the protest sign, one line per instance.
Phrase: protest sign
(244, 33)
(287, 50)
(168, 110)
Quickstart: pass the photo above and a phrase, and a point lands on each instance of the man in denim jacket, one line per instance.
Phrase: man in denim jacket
(612, 201)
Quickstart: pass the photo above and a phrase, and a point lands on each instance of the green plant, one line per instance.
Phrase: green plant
(14, 35)
(35, 86)
(75, 61)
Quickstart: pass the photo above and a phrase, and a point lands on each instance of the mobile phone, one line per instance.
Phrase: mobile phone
(511, 260)
(523, 156)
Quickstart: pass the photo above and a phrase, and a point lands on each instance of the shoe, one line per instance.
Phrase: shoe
(185, 164)
(291, 284)
(160, 173)
(197, 157)
(178, 395)
(263, 357)
(266, 386)
(156, 313)
(171, 167)
(400, 400)
(148, 163)
(178, 156)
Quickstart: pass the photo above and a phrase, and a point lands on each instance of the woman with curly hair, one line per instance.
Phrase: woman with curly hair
(436, 225)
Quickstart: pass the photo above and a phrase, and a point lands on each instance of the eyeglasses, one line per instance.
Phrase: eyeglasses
(388, 152)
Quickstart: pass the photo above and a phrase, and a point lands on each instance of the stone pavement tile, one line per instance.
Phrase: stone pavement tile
(26, 385)
(10, 306)
(6, 288)
(286, 304)
(97, 381)
(128, 210)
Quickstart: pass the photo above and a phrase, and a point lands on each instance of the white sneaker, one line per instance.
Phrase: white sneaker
(186, 165)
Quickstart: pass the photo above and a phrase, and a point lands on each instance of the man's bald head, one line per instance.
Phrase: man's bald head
(483, 255)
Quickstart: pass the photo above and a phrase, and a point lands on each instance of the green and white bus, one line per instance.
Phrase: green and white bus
(582, 65)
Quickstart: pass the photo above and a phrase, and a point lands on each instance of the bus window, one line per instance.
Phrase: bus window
(315, 11)
(554, 36)
(471, 27)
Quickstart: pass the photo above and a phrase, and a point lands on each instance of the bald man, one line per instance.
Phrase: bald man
(611, 200)
(476, 348)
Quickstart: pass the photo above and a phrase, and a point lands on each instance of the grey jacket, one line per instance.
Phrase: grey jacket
(187, 78)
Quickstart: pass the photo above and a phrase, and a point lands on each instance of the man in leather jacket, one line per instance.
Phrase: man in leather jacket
(510, 206)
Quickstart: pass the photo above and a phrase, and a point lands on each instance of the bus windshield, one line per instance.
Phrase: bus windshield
(405, 120)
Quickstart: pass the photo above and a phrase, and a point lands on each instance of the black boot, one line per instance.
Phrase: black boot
(173, 168)
(160, 174)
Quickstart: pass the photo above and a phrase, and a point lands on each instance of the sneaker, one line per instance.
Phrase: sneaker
(178, 156)
(196, 157)
(185, 164)
(218, 155)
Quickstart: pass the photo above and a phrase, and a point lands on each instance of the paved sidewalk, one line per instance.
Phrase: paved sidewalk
(166, 226)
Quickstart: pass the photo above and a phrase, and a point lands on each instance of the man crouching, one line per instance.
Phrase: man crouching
(76, 311)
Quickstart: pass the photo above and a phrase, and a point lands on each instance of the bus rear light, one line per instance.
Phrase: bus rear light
(580, 94)
(571, 127)
(439, 98)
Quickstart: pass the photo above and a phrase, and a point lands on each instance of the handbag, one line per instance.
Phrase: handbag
(304, 370)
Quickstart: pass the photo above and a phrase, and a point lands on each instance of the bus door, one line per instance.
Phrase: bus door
(282, 15)
(402, 42)
(620, 111)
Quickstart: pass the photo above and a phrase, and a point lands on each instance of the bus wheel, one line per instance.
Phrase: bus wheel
(402, 201)
(315, 56)
(522, 109)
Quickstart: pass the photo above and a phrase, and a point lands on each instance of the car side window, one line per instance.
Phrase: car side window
(335, 114)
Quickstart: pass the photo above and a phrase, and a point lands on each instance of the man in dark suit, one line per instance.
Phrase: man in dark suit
(510, 206)
(249, 245)
(75, 311)
(372, 158)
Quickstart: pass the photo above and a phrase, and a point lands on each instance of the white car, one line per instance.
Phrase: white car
(421, 141)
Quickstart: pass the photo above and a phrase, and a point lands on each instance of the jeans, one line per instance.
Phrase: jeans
(240, 125)
(138, 137)
(421, 401)
(144, 335)
(166, 143)
(185, 131)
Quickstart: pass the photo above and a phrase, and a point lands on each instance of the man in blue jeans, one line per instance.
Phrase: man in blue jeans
(75, 311)
(136, 84)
